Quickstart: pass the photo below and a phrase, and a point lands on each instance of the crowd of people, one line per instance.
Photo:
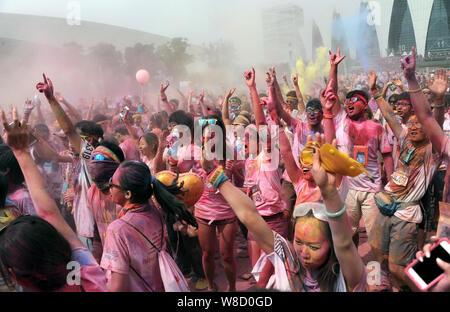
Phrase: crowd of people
(83, 184)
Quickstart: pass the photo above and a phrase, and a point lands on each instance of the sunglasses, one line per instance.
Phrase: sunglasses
(318, 210)
(204, 122)
(353, 100)
(110, 185)
(313, 110)
(415, 124)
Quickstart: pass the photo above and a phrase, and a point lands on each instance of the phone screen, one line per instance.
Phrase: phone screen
(428, 270)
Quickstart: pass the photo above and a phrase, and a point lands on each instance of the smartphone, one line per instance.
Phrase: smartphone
(122, 113)
(427, 273)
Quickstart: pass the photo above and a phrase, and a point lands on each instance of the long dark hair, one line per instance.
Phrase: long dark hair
(36, 252)
(328, 273)
(136, 177)
(9, 161)
(224, 133)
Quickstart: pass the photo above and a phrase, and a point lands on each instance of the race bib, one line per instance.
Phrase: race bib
(257, 196)
(360, 153)
(400, 178)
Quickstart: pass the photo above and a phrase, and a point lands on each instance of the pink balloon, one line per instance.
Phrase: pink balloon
(142, 76)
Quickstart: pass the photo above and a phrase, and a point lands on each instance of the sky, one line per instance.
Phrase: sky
(201, 21)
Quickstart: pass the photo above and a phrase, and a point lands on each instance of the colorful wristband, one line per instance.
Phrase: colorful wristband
(328, 116)
(336, 214)
(217, 177)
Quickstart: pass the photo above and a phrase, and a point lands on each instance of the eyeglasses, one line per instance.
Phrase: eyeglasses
(313, 110)
(110, 184)
(318, 210)
(414, 124)
(204, 122)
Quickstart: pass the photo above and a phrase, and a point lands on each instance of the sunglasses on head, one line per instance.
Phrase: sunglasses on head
(204, 122)
(318, 210)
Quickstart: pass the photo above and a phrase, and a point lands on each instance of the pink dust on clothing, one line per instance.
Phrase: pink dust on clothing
(125, 248)
(189, 159)
(129, 150)
(103, 209)
(268, 201)
(306, 193)
(372, 135)
(20, 203)
(212, 206)
(93, 278)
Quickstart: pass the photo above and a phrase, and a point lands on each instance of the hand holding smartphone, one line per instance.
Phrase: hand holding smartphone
(427, 273)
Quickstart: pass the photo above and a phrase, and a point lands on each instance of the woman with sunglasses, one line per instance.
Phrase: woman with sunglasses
(105, 159)
(135, 239)
(322, 256)
(35, 251)
(212, 212)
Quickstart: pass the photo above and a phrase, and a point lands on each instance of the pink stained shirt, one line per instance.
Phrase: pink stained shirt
(92, 277)
(370, 134)
(129, 150)
(19, 202)
(103, 209)
(266, 181)
(125, 248)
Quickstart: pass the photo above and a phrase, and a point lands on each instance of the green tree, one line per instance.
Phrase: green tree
(175, 57)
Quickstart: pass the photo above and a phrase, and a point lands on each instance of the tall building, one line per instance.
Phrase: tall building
(281, 33)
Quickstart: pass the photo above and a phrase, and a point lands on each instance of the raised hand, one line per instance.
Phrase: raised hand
(249, 77)
(46, 87)
(322, 178)
(372, 81)
(29, 105)
(163, 88)
(408, 64)
(328, 99)
(201, 96)
(440, 84)
(270, 80)
(335, 59)
(17, 134)
(295, 80)
(230, 93)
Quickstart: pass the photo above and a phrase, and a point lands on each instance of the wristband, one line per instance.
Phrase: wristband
(27, 111)
(377, 97)
(438, 106)
(328, 116)
(335, 214)
(217, 177)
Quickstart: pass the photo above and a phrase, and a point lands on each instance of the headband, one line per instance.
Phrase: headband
(243, 118)
(103, 150)
(291, 99)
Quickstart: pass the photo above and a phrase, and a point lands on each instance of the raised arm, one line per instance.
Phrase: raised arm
(278, 100)
(64, 121)
(301, 104)
(162, 92)
(91, 107)
(46, 208)
(346, 252)
(245, 210)
(158, 161)
(385, 108)
(438, 87)
(249, 77)
(27, 110)
(420, 103)
(201, 100)
(69, 106)
(335, 59)
(184, 100)
(130, 129)
(225, 114)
